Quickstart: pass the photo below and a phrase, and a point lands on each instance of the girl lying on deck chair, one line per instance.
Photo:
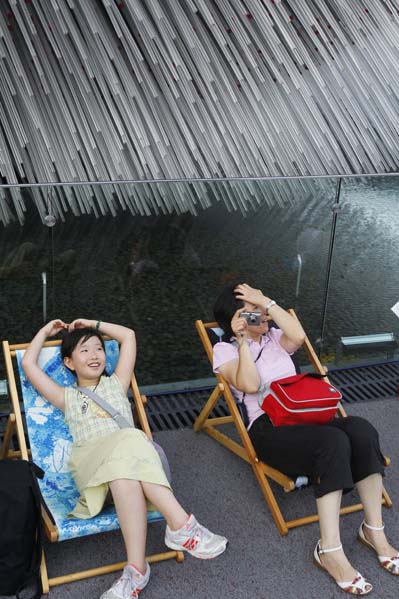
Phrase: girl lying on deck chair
(335, 456)
(105, 457)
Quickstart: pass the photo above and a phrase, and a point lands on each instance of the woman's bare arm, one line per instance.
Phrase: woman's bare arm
(241, 373)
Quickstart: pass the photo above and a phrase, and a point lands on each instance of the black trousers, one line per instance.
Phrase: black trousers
(334, 456)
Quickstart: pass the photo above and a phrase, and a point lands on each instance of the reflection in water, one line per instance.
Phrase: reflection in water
(158, 274)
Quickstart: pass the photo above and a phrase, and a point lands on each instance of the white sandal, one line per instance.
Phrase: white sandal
(390, 564)
(358, 586)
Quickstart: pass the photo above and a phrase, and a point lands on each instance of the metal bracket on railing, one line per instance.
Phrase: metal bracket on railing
(336, 208)
(298, 277)
(44, 295)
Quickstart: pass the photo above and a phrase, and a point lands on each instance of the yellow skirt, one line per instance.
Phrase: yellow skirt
(125, 453)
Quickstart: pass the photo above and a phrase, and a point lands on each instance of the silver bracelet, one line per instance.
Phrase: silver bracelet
(270, 305)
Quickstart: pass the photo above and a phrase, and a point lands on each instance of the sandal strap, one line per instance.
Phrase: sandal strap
(358, 586)
(373, 527)
(385, 558)
(329, 549)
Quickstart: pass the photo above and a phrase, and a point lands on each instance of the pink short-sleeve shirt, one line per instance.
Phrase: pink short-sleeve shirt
(274, 363)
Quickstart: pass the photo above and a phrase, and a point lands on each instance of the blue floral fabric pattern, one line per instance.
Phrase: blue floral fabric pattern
(51, 444)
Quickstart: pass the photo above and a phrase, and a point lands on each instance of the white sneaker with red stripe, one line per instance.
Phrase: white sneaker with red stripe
(195, 539)
(129, 585)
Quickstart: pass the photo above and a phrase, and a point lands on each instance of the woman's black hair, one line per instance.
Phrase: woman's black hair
(225, 307)
(72, 338)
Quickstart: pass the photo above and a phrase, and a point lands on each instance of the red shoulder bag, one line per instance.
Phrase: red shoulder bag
(301, 399)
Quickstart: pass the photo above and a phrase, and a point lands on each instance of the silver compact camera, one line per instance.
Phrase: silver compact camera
(253, 318)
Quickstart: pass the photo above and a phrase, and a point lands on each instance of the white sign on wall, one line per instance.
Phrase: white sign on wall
(395, 309)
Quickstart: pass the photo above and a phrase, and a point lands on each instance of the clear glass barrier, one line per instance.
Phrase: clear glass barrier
(365, 277)
(160, 273)
(26, 271)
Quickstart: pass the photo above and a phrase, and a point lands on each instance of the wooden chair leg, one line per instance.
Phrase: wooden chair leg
(44, 576)
(8, 435)
(208, 407)
(270, 498)
(386, 500)
(83, 574)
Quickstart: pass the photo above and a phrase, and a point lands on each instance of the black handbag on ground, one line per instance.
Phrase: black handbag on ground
(21, 536)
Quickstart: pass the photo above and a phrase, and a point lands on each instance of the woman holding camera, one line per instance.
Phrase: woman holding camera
(335, 456)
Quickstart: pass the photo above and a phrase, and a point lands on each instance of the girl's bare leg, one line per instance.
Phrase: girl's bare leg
(166, 503)
(131, 510)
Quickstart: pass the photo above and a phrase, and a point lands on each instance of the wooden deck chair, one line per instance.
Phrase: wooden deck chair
(50, 446)
(246, 450)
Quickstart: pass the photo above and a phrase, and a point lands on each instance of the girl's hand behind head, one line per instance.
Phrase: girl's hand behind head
(81, 323)
(54, 326)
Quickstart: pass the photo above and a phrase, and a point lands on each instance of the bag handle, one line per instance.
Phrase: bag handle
(298, 377)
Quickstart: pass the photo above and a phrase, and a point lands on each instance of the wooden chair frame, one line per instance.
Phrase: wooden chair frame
(246, 450)
(15, 423)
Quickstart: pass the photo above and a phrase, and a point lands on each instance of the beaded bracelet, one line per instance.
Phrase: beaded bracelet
(98, 324)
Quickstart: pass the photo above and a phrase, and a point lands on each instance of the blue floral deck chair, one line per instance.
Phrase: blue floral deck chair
(50, 445)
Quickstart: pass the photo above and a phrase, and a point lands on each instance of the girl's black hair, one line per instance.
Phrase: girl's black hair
(71, 340)
(225, 307)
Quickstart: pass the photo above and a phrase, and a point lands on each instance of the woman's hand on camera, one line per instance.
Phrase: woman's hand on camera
(53, 327)
(239, 326)
(246, 293)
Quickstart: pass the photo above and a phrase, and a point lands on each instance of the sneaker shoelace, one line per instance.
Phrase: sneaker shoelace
(124, 584)
(120, 585)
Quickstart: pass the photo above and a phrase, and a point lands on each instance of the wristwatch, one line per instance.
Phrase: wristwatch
(270, 305)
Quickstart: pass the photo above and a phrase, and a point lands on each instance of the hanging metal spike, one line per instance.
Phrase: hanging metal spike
(184, 89)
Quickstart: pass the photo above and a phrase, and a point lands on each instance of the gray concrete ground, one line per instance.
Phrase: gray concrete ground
(223, 493)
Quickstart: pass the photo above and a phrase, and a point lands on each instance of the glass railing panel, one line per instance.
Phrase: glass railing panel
(160, 273)
(25, 265)
(361, 326)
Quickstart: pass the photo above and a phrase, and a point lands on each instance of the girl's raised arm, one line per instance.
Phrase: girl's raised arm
(50, 390)
(126, 339)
